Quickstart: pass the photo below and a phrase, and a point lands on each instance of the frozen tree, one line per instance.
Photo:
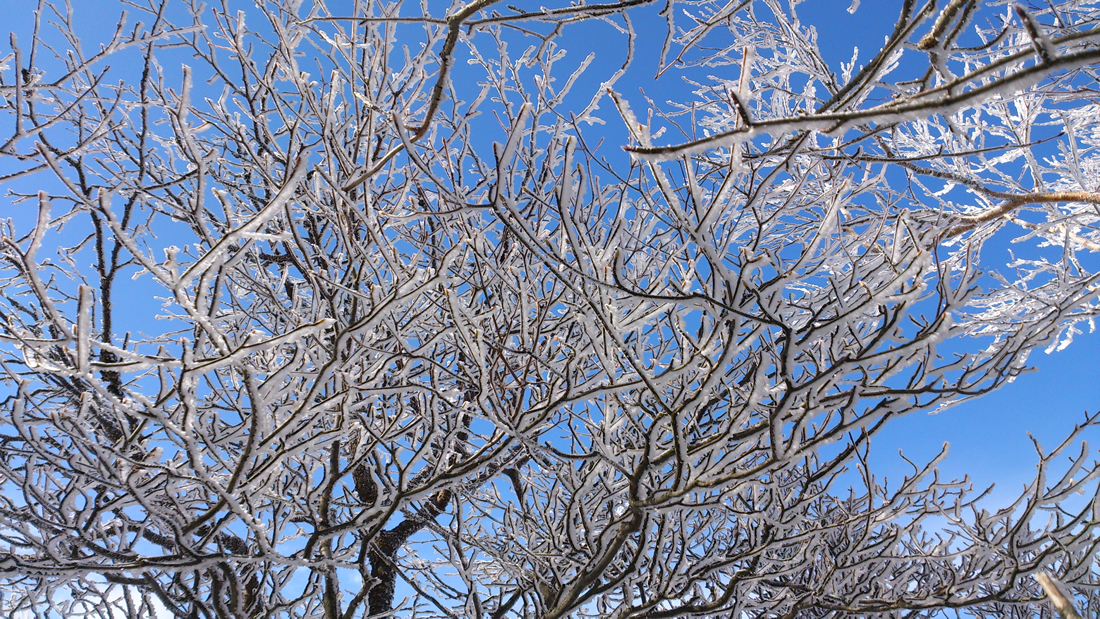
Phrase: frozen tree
(427, 342)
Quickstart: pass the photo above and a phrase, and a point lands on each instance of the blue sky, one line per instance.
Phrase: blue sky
(989, 436)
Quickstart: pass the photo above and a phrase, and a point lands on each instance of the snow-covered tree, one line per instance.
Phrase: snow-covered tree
(362, 309)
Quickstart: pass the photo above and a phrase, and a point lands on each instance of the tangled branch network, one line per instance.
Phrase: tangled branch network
(361, 311)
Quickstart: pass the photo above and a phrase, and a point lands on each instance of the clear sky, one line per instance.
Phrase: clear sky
(989, 436)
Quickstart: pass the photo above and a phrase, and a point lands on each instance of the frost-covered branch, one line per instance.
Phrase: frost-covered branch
(269, 351)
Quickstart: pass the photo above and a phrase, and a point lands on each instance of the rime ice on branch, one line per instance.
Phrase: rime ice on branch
(353, 315)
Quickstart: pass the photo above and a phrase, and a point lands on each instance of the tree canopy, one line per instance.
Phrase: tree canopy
(359, 310)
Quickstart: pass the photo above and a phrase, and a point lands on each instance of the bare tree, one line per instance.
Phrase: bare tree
(403, 368)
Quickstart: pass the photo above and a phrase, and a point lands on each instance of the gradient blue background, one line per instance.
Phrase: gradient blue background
(989, 436)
